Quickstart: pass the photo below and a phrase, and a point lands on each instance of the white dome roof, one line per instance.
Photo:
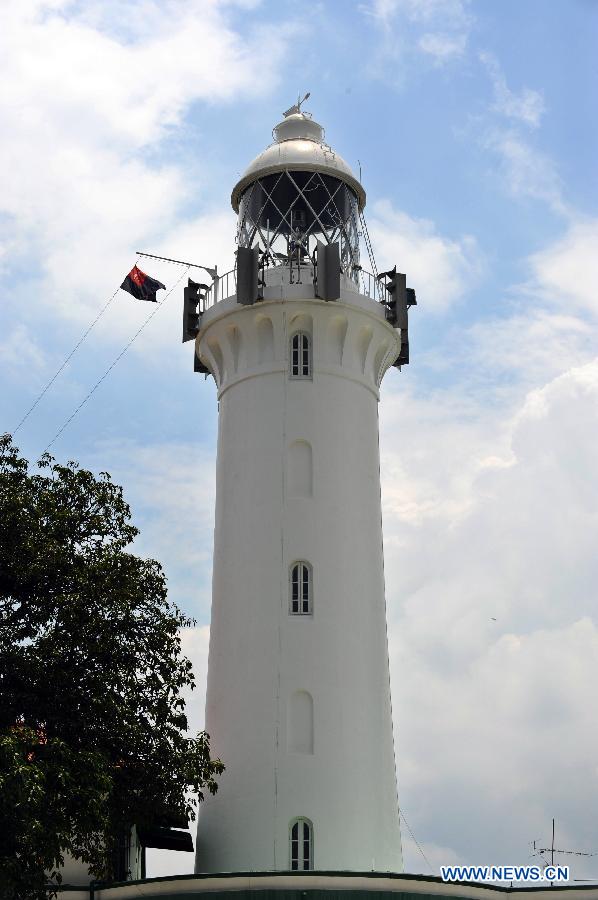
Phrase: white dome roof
(299, 146)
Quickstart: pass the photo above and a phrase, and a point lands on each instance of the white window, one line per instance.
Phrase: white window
(300, 355)
(300, 593)
(301, 844)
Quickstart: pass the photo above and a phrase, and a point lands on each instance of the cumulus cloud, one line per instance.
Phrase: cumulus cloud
(566, 272)
(546, 325)
(490, 525)
(90, 91)
(493, 639)
(443, 268)
(529, 346)
(111, 74)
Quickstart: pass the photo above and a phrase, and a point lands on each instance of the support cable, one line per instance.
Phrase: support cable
(368, 244)
(415, 841)
(120, 355)
(69, 357)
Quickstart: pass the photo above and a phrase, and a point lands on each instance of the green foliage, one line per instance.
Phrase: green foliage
(92, 721)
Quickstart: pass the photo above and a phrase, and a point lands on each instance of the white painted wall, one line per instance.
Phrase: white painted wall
(266, 518)
(75, 872)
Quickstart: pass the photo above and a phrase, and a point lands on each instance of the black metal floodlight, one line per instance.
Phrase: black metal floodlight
(193, 297)
(247, 275)
(328, 271)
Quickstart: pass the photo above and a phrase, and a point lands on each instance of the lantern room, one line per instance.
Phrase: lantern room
(297, 192)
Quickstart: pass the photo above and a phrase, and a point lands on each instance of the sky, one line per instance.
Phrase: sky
(126, 124)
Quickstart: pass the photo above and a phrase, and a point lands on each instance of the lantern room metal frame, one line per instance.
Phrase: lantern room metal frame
(286, 213)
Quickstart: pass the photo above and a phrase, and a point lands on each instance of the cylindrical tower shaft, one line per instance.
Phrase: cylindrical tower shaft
(298, 704)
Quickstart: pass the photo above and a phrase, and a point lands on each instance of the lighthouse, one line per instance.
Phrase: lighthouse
(298, 338)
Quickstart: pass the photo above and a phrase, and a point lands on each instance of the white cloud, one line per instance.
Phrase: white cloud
(207, 240)
(442, 268)
(82, 75)
(492, 614)
(421, 484)
(449, 12)
(89, 90)
(529, 346)
(446, 26)
(566, 272)
(527, 106)
(526, 171)
(21, 355)
(443, 47)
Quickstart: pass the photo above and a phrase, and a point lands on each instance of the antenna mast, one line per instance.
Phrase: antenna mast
(539, 851)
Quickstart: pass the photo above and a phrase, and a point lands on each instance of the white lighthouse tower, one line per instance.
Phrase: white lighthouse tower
(298, 699)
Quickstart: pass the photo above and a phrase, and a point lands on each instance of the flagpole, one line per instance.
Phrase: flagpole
(213, 272)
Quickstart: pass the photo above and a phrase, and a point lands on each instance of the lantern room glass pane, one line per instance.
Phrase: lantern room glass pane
(287, 212)
(307, 200)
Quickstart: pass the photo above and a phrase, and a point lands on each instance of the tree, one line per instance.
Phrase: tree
(92, 721)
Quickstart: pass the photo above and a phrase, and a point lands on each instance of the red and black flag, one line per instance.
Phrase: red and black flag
(141, 285)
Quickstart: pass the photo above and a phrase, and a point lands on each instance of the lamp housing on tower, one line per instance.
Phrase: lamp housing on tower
(299, 192)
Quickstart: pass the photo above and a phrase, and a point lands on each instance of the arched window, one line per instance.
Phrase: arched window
(300, 593)
(301, 839)
(300, 355)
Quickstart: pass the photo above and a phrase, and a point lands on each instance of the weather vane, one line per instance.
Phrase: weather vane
(297, 107)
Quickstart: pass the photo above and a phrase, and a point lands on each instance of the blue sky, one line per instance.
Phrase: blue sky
(127, 125)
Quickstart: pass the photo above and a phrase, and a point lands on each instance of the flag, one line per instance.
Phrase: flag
(141, 285)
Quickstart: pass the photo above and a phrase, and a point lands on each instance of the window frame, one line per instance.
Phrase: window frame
(296, 859)
(301, 586)
(300, 357)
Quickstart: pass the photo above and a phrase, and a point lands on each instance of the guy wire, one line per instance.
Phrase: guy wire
(69, 357)
(120, 355)
(402, 814)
